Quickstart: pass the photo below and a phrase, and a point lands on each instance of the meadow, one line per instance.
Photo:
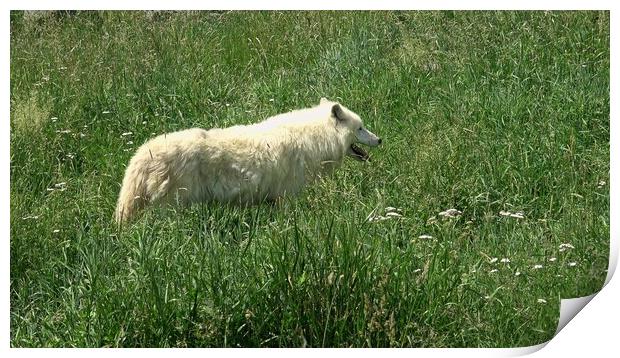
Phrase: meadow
(503, 116)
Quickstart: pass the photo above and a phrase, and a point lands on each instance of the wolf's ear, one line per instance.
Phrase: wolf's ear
(338, 112)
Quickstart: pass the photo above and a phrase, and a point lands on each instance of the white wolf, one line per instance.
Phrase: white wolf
(243, 164)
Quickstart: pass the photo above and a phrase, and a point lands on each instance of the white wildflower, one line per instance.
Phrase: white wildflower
(541, 300)
(493, 271)
(64, 131)
(56, 231)
(552, 259)
(425, 236)
(493, 260)
(505, 260)
(106, 112)
(330, 278)
(572, 264)
(450, 213)
(517, 215)
(517, 273)
(390, 214)
(537, 267)
(417, 270)
(376, 218)
(126, 134)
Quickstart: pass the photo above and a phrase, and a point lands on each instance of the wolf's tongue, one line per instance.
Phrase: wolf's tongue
(361, 153)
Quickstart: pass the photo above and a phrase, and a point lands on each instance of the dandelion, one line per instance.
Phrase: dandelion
(450, 213)
(572, 264)
(425, 236)
(504, 260)
(541, 300)
(538, 267)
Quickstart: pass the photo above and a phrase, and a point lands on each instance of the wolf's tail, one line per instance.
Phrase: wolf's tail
(133, 192)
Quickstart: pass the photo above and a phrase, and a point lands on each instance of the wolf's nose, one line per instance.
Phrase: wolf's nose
(379, 140)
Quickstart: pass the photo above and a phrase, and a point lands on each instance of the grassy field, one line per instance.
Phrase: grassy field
(484, 112)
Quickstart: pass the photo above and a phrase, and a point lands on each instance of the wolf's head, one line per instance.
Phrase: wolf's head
(356, 132)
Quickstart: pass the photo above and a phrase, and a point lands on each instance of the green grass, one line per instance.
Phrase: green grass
(479, 111)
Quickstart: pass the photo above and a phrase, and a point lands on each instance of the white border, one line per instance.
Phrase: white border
(592, 331)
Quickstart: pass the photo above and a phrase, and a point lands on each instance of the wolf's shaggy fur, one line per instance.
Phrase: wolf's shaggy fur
(242, 164)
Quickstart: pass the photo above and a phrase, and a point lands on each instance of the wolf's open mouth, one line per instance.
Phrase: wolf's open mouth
(359, 153)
